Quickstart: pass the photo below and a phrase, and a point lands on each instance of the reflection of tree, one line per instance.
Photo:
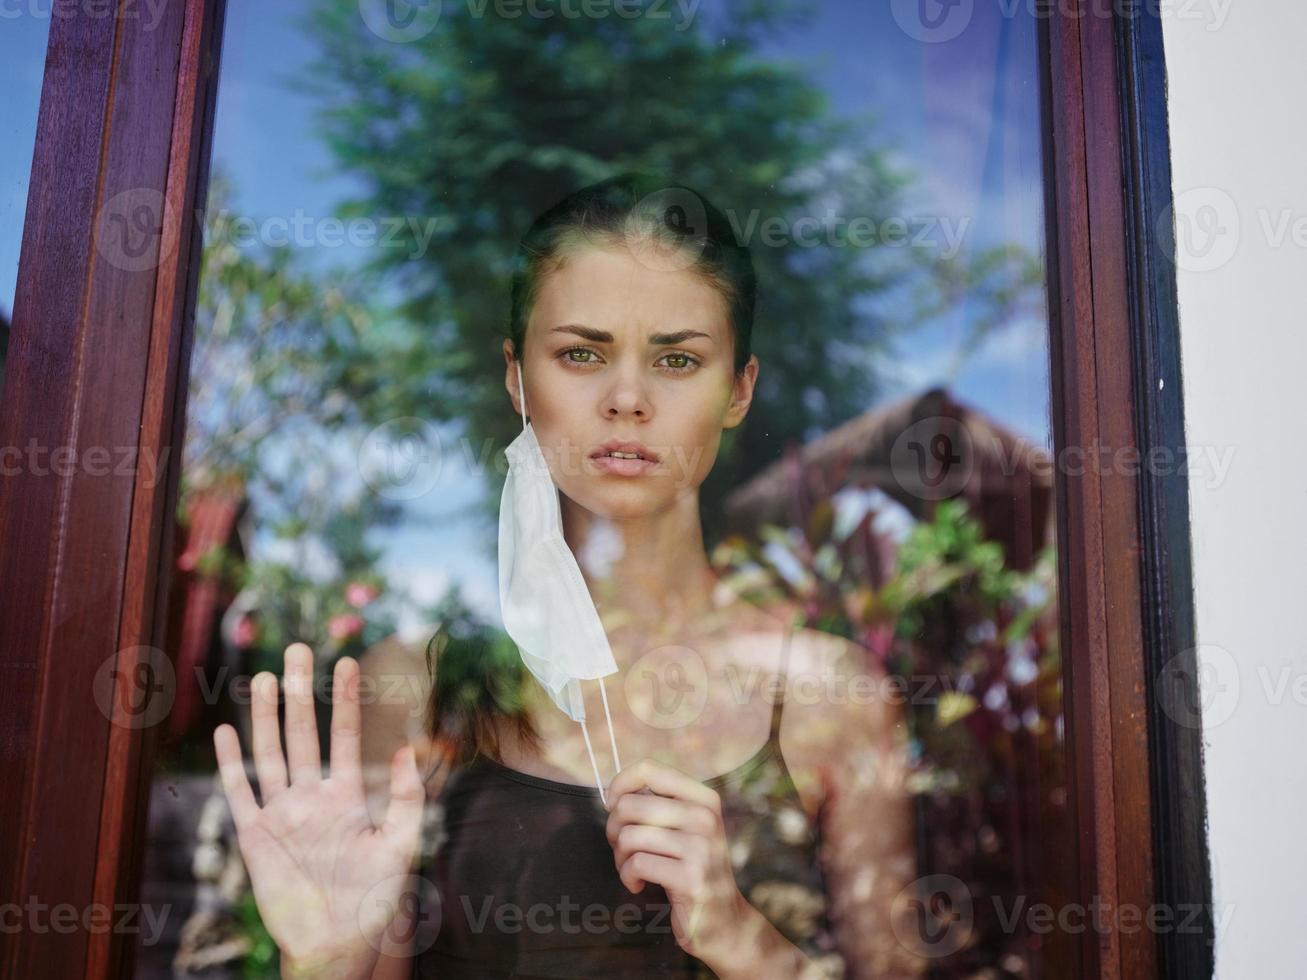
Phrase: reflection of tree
(276, 346)
(975, 646)
(286, 367)
(284, 364)
(961, 613)
(1003, 283)
(488, 120)
(480, 126)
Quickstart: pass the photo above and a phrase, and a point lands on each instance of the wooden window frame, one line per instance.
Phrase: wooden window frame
(1126, 579)
(99, 356)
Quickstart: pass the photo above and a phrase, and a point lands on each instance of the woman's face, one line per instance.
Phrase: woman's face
(619, 352)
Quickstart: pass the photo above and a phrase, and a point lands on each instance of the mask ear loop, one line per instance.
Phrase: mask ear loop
(521, 391)
(603, 691)
(612, 739)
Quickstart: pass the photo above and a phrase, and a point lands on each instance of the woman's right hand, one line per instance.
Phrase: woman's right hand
(327, 881)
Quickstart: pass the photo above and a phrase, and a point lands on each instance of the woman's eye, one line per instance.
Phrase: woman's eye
(675, 361)
(680, 361)
(579, 355)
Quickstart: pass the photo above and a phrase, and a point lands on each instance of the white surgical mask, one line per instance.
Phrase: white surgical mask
(546, 605)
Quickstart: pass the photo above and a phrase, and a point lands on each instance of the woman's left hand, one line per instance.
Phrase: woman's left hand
(674, 836)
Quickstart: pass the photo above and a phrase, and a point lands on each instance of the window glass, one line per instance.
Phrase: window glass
(861, 519)
(22, 51)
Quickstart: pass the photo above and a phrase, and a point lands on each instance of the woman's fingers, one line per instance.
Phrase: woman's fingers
(301, 723)
(346, 726)
(656, 840)
(665, 780)
(407, 796)
(268, 760)
(643, 866)
(231, 769)
(659, 811)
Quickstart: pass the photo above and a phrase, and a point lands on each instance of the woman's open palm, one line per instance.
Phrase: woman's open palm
(326, 879)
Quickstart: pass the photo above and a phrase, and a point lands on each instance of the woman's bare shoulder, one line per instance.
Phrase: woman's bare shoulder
(818, 652)
(836, 695)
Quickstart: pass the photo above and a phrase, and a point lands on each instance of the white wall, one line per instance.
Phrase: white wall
(1237, 74)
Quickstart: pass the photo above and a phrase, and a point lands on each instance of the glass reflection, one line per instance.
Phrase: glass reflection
(22, 51)
(886, 496)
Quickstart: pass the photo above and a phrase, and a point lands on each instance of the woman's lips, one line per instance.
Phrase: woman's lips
(619, 466)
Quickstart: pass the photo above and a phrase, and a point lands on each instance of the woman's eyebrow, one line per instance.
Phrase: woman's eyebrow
(588, 333)
(677, 337)
(604, 337)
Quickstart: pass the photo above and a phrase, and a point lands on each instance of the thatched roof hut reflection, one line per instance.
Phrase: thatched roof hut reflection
(920, 450)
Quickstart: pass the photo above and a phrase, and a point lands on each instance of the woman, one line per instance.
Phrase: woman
(759, 825)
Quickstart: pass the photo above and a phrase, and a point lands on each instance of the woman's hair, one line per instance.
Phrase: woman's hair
(478, 677)
(638, 210)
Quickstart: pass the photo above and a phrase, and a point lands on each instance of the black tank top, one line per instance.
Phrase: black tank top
(526, 886)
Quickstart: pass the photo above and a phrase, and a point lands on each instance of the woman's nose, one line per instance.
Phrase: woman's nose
(627, 398)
